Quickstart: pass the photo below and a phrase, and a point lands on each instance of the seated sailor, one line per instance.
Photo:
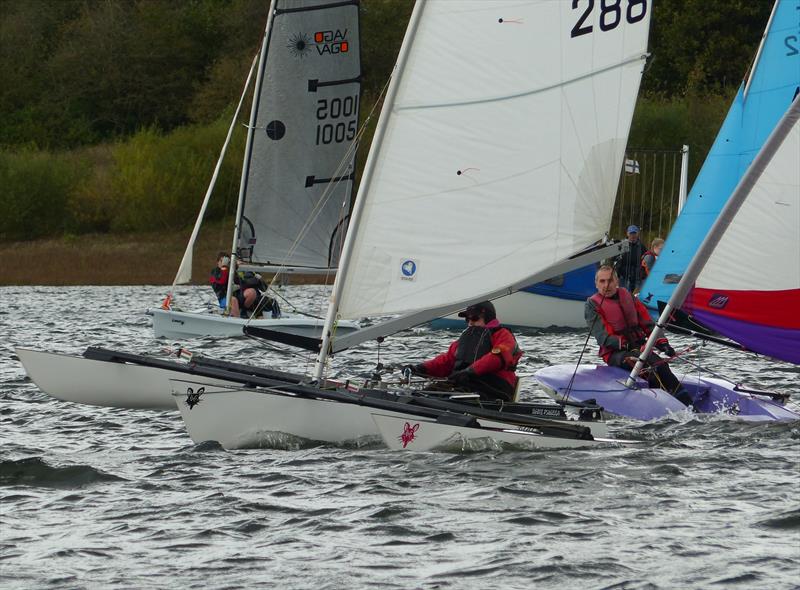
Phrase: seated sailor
(483, 359)
(621, 325)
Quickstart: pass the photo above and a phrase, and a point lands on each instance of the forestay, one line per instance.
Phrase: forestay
(500, 152)
(749, 290)
(298, 174)
(761, 101)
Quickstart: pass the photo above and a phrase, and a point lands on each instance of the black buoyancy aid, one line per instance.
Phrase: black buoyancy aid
(620, 316)
(475, 342)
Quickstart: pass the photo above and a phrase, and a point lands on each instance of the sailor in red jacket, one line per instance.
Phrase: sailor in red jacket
(483, 359)
(621, 325)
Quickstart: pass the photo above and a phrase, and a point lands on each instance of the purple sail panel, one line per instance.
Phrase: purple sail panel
(779, 343)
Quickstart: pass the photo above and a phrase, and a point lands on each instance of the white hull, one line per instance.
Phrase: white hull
(424, 434)
(100, 383)
(187, 324)
(531, 310)
(238, 417)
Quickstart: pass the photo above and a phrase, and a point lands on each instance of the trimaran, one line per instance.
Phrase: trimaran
(481, 180)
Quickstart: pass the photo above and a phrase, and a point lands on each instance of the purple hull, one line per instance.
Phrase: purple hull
(606, 386)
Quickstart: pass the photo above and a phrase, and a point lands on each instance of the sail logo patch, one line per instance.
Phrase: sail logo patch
(408, 270)
(718, 301)
(325, 42)
(331, 42)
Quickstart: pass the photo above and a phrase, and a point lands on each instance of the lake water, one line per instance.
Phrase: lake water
(105, 498)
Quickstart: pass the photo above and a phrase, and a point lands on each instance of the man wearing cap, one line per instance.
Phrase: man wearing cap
(629, 264)
(483, 359)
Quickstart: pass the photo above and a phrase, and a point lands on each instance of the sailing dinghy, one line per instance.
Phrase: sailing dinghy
(761, 100)
(481, 180)
(298, 169)
(720, 283)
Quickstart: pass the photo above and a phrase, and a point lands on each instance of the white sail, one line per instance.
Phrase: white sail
(300, 164)
(761, 248)
(501, 150)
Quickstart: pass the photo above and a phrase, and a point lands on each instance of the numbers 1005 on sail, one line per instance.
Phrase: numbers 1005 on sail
(332, 110)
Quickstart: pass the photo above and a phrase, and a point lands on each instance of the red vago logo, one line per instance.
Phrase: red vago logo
(331, 42)
(325, 42)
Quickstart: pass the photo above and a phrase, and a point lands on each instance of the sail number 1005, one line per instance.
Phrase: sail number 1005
(610, 15)
(329, 110)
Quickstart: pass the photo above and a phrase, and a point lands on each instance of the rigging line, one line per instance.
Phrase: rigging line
(711, 372)
(353, 147)
(270, 346)
(330, 188)
(565, 397)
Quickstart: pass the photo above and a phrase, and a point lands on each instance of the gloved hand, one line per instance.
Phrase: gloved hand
(416, 369)
(666, 348)
(461, 377)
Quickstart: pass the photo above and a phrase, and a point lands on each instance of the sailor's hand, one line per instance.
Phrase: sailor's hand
(460, 377)
(415, 369)
(666, 348)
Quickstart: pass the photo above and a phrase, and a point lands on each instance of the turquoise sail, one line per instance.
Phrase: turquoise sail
(761, 101)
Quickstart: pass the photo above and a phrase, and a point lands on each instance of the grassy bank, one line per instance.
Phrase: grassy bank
(122, 259)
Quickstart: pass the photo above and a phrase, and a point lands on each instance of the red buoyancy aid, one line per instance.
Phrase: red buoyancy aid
(645, 269)
(620, 318)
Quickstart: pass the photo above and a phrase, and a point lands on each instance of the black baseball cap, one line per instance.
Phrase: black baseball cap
(484, 308)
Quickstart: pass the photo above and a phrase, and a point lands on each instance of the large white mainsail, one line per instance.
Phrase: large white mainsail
(299, 165)
(496, 155)
(500, 152)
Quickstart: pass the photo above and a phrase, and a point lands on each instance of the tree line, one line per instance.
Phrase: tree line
(105, 103)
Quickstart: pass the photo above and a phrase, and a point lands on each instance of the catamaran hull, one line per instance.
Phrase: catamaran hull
(188, 324)
(245, 418)
(423, 434)
(605, 385)
(100, 383)
(239, 417)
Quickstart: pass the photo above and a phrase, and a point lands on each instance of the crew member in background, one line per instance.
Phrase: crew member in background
(483, 359)
(621, 325)
(650, 257)
(629, 264)
(249, 291)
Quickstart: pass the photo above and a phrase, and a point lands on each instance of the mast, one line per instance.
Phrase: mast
(760, 49)
(746, 184)
(363, 189)
(248, 152)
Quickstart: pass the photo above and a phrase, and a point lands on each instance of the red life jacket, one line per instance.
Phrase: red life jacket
(646, 270)
(620, 319)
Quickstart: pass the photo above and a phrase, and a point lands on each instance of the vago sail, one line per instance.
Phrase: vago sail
(298, 170)
(295, 195)
(495, 161)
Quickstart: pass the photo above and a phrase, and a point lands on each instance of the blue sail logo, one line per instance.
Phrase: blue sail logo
(408, 270)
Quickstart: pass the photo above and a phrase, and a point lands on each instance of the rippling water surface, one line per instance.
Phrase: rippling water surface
(105, 498)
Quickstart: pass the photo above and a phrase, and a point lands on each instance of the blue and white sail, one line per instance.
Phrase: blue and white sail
(763, 98)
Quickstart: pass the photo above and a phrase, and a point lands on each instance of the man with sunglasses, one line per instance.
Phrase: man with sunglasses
(483, 359)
